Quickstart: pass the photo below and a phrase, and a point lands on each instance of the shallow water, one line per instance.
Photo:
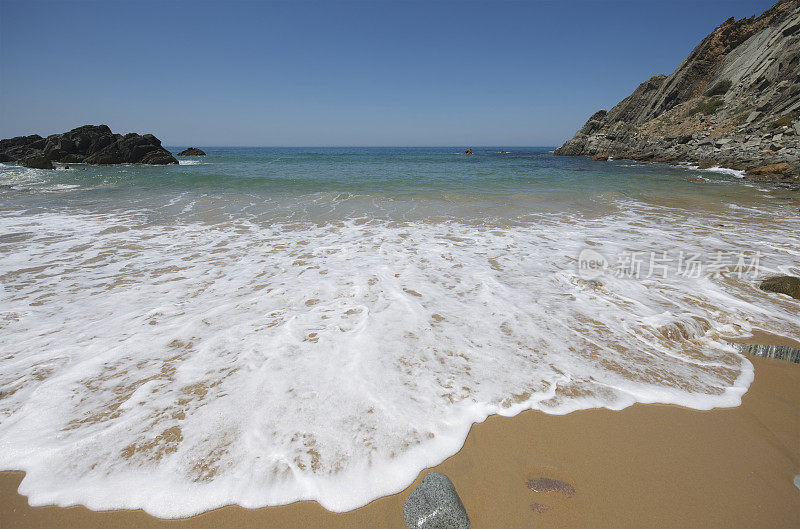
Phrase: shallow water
(259, 326)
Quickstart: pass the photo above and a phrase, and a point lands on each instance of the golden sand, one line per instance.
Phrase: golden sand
(645, 466)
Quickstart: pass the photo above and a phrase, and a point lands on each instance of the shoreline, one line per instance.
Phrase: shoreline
(646, 465)
(769, 179)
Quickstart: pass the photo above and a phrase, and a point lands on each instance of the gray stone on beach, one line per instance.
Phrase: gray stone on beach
(435, 505)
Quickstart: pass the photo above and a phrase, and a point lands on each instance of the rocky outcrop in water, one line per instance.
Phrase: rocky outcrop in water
(91, 144)
(734, 102)
(36, 161)
(191, 151)
(788, 285)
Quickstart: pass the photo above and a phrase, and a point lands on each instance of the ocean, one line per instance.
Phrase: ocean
(264, 325)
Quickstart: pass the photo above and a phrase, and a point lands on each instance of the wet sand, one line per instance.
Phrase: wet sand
(645, 466)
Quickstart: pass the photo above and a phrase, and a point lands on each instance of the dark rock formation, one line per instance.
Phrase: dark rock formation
(734, 102)
(17, 148)
(91, 144)
(435, 505)
(788, 285)
(132, 148)
(36, 161)
(191, 151)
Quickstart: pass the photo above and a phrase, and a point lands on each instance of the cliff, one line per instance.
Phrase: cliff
(734, 102)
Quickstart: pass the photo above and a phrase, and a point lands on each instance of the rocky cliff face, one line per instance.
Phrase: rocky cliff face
(734, 102)
(91, 144)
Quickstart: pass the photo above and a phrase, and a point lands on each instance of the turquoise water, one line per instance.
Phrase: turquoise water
(260, 326)
(382, 182)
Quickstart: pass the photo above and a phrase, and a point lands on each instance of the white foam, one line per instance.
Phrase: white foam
(178, 368)
(724, 170)
(716, 169)
(192, 162)
(23, 176)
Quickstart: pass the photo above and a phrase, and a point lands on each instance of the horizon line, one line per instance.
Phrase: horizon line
(474, 146)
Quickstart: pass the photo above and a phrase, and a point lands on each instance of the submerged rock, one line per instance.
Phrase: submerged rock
(540, 508)
(191, 151)
(36, 161)
(788, 285)
(551, 485)
(435, 505)
(780, 352)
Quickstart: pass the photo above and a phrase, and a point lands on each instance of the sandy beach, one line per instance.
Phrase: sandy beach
(353, 266)
(645, 466)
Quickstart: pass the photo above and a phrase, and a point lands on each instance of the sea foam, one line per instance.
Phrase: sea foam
(727, 171)
(184, 366)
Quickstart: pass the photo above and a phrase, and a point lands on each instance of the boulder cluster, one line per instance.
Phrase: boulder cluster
(90, 144)
(734, 102)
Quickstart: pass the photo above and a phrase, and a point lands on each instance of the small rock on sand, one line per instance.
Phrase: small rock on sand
(435, 505)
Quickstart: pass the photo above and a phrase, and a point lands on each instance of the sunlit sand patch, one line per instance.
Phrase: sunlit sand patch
(153, 450)
(209, 465)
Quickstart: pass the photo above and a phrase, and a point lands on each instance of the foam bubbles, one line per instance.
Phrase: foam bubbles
(183, 366)
(724, 170)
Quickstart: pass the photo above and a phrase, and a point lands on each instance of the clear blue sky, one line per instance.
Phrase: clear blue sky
(338, 73)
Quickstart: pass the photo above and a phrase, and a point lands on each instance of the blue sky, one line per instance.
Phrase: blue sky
(338, 73)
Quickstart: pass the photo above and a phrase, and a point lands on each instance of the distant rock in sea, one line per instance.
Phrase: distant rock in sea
(734, 102)
(90, 144)
(191, 151)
